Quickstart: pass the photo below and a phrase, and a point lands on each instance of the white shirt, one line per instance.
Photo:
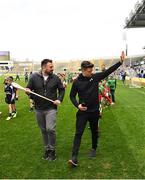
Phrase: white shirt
(45, 77)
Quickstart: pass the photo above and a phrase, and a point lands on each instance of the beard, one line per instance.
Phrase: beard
(49, 73)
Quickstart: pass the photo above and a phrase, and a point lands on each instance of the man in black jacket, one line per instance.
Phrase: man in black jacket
(49, 85)
(86, 86)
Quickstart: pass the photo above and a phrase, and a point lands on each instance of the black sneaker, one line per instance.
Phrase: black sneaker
(72, 163)
(92, 153)
(46, 155)
(52, 156)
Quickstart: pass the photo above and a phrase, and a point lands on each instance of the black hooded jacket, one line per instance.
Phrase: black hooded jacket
(87, 89)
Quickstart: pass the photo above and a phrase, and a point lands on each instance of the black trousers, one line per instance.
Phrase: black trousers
(81, 121)
(112, 95)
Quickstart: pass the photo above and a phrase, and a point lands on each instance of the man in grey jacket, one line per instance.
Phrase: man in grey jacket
(49, 85)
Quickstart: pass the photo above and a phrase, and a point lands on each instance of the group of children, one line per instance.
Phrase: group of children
(107, 93)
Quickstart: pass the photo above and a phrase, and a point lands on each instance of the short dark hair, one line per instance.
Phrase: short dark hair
(86, 64)
(9, 78)
(45, 61)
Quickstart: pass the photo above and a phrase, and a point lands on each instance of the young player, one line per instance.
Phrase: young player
(112, 84)
(106, 93)
(10, 92)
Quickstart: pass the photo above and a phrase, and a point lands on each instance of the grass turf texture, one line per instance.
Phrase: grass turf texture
(121, 148)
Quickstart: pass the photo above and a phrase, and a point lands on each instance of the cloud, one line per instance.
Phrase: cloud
(63, 29)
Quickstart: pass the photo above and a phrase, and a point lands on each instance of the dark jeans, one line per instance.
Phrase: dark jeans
(113, 95)
(81, 121)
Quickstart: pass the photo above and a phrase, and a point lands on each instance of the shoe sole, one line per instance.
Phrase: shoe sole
(8, 119)
(72, 164)
(45, 158)
(52, 159)
(48, 159)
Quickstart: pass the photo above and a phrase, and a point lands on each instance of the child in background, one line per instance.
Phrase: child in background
(63, 79)
(107, 93)
(10, 92)
(112, 84)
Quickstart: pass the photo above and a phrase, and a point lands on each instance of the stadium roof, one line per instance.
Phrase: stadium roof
(136, 17)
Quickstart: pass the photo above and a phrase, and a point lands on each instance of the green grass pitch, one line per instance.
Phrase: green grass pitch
(121, 147)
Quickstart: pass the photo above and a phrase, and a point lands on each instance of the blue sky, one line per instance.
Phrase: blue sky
(67, 29)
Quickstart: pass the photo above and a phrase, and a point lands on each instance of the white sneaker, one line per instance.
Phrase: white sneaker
(14, 115)
(8, 118)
